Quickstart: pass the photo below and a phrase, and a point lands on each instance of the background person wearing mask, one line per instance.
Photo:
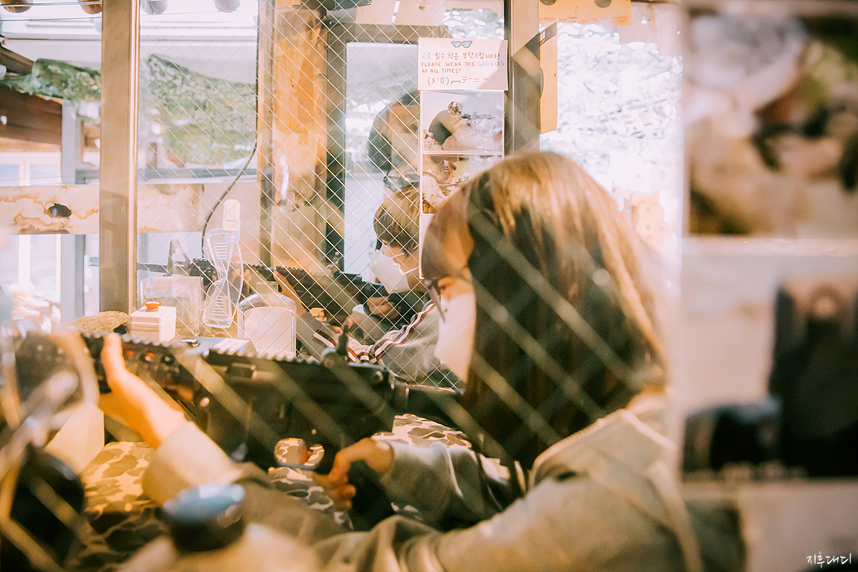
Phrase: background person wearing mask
(402, 329)
(575, 414)
(394, 263)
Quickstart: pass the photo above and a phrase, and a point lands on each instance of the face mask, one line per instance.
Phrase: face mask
(389, 273)
(456, 334)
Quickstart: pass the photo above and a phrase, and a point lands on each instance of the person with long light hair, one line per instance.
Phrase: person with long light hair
(550, 320)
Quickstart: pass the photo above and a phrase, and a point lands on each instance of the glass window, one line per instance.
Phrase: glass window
(10, 175)
(381, 98)
(9, 267)
(44, 175)
(45, 265)
(32, 259)
(619, 118)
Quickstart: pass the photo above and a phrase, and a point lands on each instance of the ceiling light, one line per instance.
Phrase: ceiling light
(154, 7)
(227, 5)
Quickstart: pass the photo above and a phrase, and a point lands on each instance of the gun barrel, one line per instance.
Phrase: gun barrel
(364, 289)
(335, 403)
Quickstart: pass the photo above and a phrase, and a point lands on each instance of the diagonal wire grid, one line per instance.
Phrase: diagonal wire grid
(286, 130)
(325, 89)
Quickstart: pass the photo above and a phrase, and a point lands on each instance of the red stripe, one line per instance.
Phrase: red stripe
(380, 347)
(326, 339)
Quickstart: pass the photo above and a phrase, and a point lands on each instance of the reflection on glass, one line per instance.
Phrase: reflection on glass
(198, 92)
(619, 118)
(381, 138)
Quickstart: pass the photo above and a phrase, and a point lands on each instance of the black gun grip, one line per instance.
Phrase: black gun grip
(370, 504)
(94, 344)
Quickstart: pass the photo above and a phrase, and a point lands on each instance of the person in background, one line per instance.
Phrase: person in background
(394, 263)
(393, 143)
(438, 180)
(545, 300)
(402, 328)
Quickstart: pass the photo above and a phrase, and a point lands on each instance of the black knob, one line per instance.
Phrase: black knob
(207, 517)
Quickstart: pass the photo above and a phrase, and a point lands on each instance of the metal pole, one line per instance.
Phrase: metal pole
(117, 250)
(71, 143)
(72, 246)
(337, 55)
(521, 25)
(265, 65)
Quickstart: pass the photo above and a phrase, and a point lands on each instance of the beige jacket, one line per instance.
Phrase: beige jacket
(603, 499)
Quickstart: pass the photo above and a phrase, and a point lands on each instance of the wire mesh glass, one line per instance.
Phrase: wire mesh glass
(295, 133)
(49, 136)
(291, 131)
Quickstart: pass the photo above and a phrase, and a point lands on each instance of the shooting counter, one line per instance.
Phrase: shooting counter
(123, 519)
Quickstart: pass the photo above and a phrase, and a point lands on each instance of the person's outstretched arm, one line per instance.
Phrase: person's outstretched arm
(449, 485)
(184, 456)
(566, 523)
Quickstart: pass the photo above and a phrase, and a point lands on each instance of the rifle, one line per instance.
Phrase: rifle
(336, 294)
(246, 403)
(406, 303)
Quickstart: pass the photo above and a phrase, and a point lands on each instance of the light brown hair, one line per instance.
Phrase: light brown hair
(396, 220)
(564, 315)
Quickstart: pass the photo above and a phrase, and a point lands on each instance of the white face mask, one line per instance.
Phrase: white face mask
(456, 334)
(389, 273)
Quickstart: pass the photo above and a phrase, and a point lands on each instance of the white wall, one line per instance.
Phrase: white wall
(726, 329)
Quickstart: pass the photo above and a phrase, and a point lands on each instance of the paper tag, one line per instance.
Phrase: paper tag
(561, 10)
(462, 65)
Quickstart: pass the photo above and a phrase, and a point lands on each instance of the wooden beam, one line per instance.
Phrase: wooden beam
(18, 146)
(30, 117)
(15, 63)
(74, 209)
(292, 136)
(117, 184)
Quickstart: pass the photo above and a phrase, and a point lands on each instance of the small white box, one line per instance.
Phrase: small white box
(154, 322)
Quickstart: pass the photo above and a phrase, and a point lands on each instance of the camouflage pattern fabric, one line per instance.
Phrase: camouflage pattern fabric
(414, 430)
(408, 429)
(121, 518)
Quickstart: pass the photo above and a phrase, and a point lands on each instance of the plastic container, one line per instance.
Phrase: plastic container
(268, 320)
(154, 321)
(208, 534)
(185, 293)
(222, 249)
